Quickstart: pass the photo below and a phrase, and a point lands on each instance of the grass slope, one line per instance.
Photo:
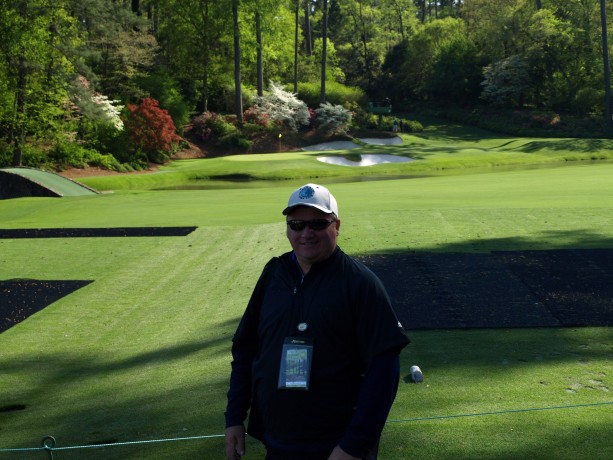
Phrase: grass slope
(142, 353)
(58, 184)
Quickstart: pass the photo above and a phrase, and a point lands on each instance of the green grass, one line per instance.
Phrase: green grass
(143, 352)
(439, 150)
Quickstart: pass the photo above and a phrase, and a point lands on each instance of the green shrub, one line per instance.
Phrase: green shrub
(225, 98)
(506, 81)
(309, 93)
(412, 126)
(333, 119)
(74, 155)
(6, 155)
(336, 93)
(249, 129)
(69, 154)
(235, 140)
(106, 162)
(211, 124)
(167, 91)
(106, 139)
(361, 118)
(34, 157)
(371, 121)
(589, 100)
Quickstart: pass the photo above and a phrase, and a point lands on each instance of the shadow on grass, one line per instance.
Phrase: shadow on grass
(505, 351)
(446, 130)
(497, 284)
(508, 283)
(509, 437)
(571, 145)
(105, 407)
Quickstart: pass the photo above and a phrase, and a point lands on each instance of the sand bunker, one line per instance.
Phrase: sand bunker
(383, 141)
(342, 145)
(332, 145)
(365, 160)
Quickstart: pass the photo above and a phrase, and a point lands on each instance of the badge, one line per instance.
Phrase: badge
(295, 368)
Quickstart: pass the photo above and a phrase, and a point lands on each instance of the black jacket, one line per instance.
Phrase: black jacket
(350, 321)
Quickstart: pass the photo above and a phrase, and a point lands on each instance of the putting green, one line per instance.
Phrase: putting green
(20, 182)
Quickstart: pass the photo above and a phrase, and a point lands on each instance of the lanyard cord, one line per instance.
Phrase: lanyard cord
(303, 325)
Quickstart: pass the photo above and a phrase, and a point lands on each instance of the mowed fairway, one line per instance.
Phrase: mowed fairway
(143, 352)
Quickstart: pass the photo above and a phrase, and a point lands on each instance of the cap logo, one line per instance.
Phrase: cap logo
(306, 192)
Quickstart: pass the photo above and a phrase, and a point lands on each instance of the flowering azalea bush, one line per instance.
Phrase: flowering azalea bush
(256, 117)
(151, 130)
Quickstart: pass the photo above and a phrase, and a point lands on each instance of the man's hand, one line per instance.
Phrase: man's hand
(235, 442)
(340, 454)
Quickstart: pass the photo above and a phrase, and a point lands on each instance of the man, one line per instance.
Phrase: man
(315, 356)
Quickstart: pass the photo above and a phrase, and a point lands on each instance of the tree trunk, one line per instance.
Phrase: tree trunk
(154, 16)
(324, 54)
(205, 56)
(364, 40)
(308, 43)
(401, 22)
(237, 64)
(136, 7)
(260, 65)
(607, 68)
(20, 112)
(296, 45)
(21, 97)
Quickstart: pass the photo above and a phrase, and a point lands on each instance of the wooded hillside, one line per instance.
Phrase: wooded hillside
(74, 74)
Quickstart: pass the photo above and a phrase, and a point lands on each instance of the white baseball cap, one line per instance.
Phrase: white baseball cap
(314, 196)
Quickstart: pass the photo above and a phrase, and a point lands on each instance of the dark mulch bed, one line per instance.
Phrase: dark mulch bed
(20, 299)
(560, 288)
(94, 232)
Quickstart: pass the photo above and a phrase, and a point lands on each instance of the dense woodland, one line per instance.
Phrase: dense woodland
(116, 82)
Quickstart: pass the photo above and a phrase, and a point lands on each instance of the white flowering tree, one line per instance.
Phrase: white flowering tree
(283, 107)
(506, 81)
(109, 110)
(94, 106)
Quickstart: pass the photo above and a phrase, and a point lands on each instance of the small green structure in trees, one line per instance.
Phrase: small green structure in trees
(380, 108)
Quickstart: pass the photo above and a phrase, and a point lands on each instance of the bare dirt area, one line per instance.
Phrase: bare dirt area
(77, 173)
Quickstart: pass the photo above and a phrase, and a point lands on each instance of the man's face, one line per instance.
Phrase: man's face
(311, 246)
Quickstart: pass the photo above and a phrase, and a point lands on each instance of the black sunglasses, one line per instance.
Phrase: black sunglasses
(315, 224)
